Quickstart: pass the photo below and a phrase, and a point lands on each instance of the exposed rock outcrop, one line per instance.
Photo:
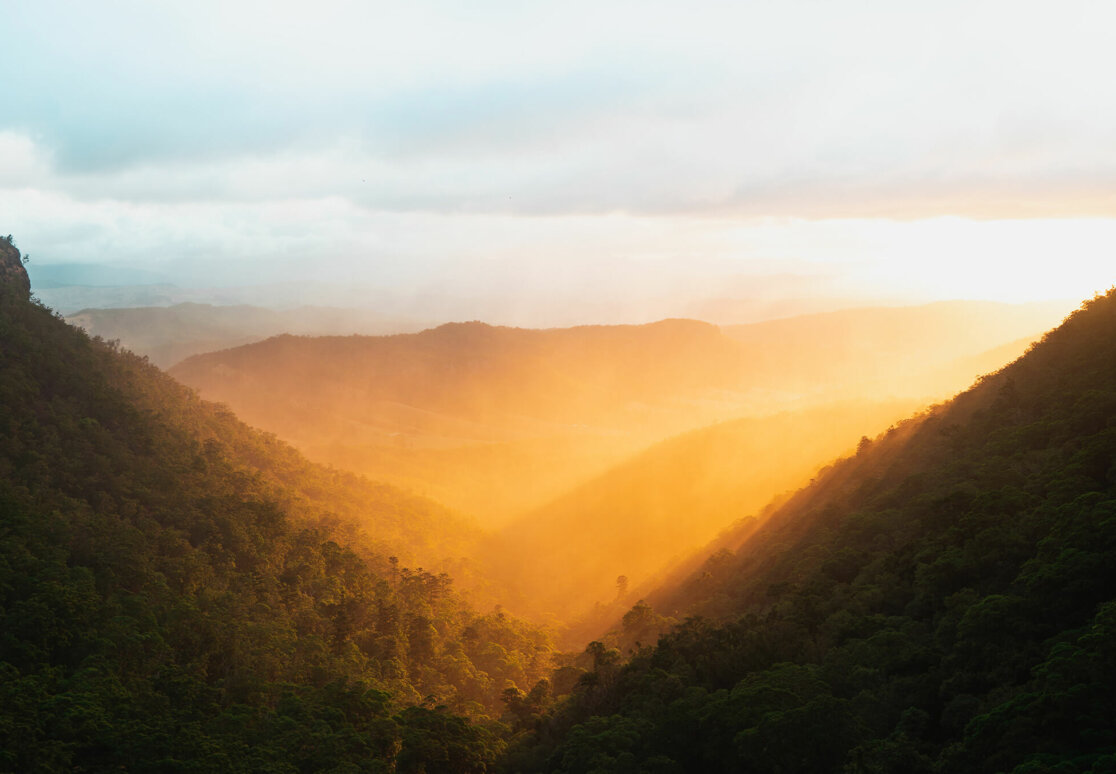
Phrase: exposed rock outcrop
(12, 273)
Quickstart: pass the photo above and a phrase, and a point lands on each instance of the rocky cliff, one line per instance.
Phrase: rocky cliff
(12, 273)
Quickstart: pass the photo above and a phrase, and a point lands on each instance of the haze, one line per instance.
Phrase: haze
(555, 165)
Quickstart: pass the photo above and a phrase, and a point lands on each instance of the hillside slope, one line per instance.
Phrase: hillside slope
(181, 593)
(943, 601)
(638, 518)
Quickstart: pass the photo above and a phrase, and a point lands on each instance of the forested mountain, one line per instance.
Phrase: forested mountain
(181, 593)
(168, 334)
(499, 421)
(943, 601)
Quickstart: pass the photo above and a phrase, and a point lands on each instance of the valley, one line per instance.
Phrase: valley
(557, 388)
(158, 549)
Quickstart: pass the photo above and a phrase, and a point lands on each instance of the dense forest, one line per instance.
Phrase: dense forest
(181, 593)
(944, 601)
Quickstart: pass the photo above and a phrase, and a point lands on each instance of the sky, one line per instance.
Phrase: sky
(603, 160)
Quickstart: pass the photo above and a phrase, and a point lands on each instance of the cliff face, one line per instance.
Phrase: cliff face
(12, 273)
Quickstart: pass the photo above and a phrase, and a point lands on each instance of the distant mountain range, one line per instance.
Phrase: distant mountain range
(497, 421)
(168, 334)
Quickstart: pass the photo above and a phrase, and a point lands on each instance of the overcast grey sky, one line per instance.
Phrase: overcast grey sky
(873, 150)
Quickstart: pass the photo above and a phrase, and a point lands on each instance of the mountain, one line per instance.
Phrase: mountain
(179, 592)
(651, 511)
(489, 419)
(499, 421)
(944, 600)
(477, 371)
(168, 334)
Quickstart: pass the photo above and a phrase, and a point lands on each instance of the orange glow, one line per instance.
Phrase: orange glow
(601, 451)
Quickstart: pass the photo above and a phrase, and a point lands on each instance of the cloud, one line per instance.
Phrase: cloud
(434, 142)
(22, 162)
(811, 109)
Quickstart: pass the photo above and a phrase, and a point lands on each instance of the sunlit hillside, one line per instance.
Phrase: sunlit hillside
(498, 421)
(492, 420)
(639, 518)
